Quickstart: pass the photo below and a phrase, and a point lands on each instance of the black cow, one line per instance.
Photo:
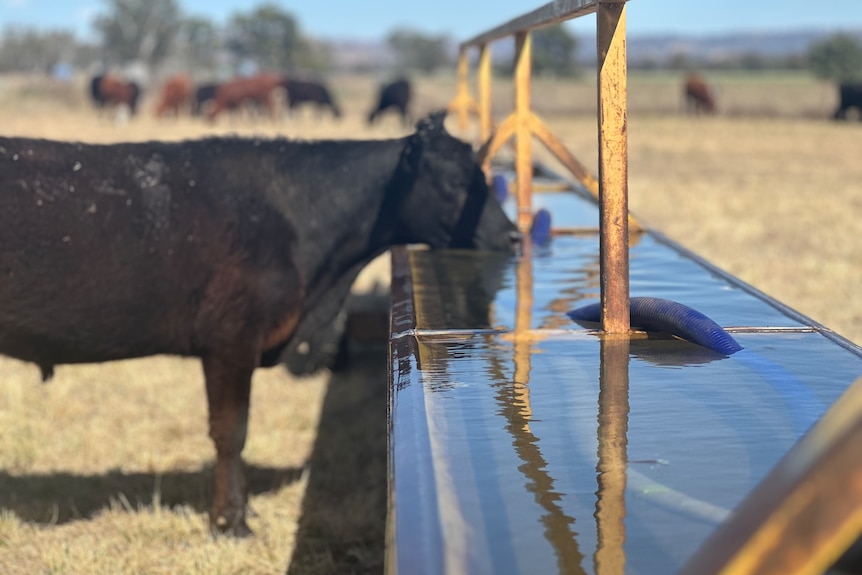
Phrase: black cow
(203, 93)
(232, 250)
(393, 95)
(304, 91)
(850, 96)
(95, 93)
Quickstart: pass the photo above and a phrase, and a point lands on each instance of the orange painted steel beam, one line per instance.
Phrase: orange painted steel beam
(805, 513)
(550, 13)
(463, 103)
(500, 136)
(523, 133)
(486, 125)
(562, 153)
(613, 167)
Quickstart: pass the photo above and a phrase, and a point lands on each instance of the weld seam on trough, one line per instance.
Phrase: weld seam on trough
(769, 329)
(417, 332)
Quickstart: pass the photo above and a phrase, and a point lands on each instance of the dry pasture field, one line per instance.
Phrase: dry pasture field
(107, 468)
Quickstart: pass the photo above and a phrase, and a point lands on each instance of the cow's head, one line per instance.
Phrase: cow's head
(448, 204)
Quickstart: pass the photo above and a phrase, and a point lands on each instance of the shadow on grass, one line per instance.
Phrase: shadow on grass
(56, 498)
(342, 525)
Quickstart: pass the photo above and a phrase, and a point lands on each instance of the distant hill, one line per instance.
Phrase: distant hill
(641, 49)
(715, 48)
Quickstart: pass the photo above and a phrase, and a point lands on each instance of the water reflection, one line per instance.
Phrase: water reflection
(527, 444)
(513, 401)
(610, 557)
(664, 351)
(457, 288)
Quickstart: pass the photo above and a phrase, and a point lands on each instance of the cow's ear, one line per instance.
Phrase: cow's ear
(432, 124)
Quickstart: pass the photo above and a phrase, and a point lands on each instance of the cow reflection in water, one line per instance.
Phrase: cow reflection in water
(459, 287)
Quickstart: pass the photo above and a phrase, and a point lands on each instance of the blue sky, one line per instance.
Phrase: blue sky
(462, 19)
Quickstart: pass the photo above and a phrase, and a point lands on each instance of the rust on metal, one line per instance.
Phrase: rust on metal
(613, 168)
(805, 513)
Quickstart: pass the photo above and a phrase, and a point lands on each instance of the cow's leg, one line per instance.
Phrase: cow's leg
(228, 384)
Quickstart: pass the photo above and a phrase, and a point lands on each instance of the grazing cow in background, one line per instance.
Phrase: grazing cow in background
(256, 90)
(204, 93)
(698, 96)
(393, 95)
(176, 96)
(95, 94)
(304, 91)
(109, 90)
(850, 96)
(235, 251)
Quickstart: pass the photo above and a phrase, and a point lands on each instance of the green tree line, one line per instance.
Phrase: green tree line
(156, 33)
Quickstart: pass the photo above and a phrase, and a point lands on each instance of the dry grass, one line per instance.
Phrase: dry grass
(774, 201)
(107, 468)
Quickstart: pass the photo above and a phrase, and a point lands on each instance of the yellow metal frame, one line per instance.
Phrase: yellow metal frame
(611, 188)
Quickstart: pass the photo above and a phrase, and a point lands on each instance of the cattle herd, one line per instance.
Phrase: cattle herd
(179, 95)
(239, 252)
(259, 93)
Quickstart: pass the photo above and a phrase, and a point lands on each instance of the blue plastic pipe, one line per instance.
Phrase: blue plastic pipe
(540, 230)
(657, 314)
(501, 188)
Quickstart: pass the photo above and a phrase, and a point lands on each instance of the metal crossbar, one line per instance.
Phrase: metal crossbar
(551, 13)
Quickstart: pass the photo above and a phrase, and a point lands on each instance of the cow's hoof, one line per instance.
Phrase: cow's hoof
(237, 528)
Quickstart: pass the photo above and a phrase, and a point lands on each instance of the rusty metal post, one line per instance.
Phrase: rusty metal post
(484, 73)
(523, 134)
(613, 167)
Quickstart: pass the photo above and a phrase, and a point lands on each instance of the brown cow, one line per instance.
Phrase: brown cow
(698, 97)
(176, 95)
(257, 90)
(109, 90)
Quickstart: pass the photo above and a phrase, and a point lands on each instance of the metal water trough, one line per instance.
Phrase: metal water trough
(521, 442)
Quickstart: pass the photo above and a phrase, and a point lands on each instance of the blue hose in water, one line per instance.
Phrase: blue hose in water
(540, 230)
(668, 316)
(500, 187)
(657, 314)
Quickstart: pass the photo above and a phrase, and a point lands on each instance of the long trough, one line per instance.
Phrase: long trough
(521, 442)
